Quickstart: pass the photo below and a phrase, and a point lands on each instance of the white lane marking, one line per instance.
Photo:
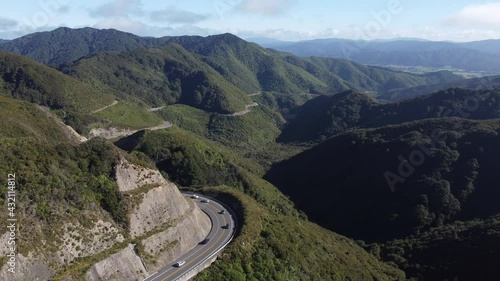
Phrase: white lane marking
(200, 247)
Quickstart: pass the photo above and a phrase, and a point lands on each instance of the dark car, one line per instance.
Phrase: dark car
(205, 241)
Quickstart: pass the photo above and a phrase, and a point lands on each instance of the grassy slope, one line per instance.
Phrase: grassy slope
(251, 135)
(72, 100)
(25, 79)
(125, 115)
(22, 120)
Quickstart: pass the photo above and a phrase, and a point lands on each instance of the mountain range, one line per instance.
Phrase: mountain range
(482, 56)
(245, 65)
(301, 148)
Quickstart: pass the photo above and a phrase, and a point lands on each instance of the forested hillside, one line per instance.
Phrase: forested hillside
(65, 44)
(380, 184)
(326, 116)
(247, 66)
(159, 76)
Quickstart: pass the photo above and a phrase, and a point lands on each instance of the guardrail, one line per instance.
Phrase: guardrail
(233, 215)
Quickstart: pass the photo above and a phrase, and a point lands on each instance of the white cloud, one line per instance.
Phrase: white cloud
(266, 7)
(117, 8)
(177, 16)
(6, 24)
(478, 14)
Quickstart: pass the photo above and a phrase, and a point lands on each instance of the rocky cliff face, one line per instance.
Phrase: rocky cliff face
(166, 246)
(124, 265)
(165, 223)
(130, 176)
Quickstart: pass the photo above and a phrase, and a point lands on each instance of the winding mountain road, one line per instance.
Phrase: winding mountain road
(106, 107)
(219, 237)
(243, 112)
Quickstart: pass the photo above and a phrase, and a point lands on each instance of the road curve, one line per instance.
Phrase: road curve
(219, 237)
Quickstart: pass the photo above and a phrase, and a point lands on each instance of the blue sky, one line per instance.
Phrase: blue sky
(455, 20)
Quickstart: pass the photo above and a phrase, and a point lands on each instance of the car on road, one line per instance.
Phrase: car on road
(194, 196)
(222, 212)
(205, 241)
(205, 201)
(226, 226)
(179, 263)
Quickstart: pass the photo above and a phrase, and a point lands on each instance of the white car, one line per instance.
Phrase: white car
(194, 196)
(205, 201)
(179, 263)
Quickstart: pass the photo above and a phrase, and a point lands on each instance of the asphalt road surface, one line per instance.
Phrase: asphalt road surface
(218, 237)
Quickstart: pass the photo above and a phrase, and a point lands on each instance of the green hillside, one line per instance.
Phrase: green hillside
(272, 246)
(71, 99)
(488, 82)
(159, 76)
(22, 120)
(247, 66)
(358, 183)
(254, 68)
(238, 110)
(64, 44)
(432, 255)
(372, 153)
(274, 238)
(25, 79)
(74, 101)
(326, 116)
(55, 179)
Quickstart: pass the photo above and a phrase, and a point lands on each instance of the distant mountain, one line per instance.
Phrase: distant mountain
(487, 82)
(253, 68)
(326, 116)
(3, 41)
(474, 56)
(65, 44)
(267, 41)
(488, 46)
(246, 65)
